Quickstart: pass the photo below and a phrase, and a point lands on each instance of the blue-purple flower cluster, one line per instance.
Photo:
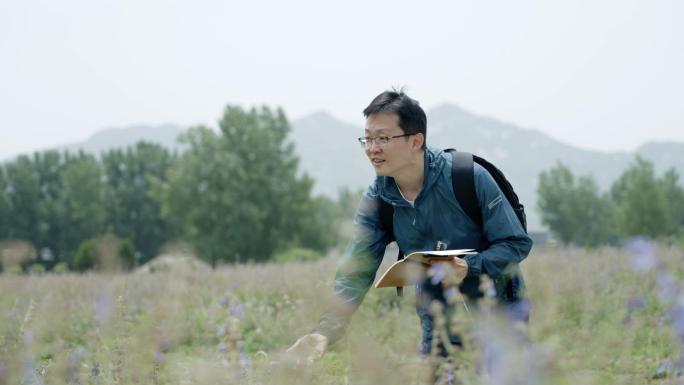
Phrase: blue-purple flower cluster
(670, 293)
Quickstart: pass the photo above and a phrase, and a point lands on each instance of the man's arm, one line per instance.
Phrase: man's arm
(357, 269)
(508, 242)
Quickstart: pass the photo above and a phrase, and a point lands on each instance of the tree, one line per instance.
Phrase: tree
(108, 253)
(49, 166)
(23, 192)
(82, 200)
(646, 205)
(674, 196)
(573, 208)
(132, 211)
(237, 193)
(5, 206)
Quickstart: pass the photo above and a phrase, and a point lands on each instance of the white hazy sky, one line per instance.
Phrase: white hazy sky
(598, 74)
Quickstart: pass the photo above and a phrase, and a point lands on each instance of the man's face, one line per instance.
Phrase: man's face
(393, 157)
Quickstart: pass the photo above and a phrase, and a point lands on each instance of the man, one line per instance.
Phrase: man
(416, 180)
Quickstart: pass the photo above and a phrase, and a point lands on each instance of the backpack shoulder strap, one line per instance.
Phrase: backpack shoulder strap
(386, 213)
(463, 183)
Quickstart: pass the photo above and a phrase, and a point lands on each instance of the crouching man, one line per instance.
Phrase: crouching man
(416, 180)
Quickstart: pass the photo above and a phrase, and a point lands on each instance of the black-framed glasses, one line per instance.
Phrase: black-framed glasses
(366, 142)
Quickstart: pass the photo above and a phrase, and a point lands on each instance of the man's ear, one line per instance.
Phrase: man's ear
(418, 140)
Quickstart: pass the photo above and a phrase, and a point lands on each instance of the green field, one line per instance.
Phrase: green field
(596, 319)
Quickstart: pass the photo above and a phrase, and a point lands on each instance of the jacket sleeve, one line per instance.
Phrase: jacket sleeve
(508, 241)
(357, 268)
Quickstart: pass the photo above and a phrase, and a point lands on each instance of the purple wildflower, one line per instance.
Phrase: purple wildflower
(95, 374)
(667, 286)
(637, 303)
(164, 344)
(492, 356)
(665, 368)
(237, 310)
(643, 254)
(30, 374)
(222, 347)
(244, 360)
(103, 307)
(28, 338)
(678, 318)
(490, 290)
(76, 356)
(438, 272)
(519, 311)
(244, 364)
(451, 294)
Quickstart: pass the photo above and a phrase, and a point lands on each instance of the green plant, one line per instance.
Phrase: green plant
(298, 254)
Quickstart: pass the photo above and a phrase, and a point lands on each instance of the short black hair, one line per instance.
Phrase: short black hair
(412, 119)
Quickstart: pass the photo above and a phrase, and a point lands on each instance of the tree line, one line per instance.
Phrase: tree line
(237, 194)
(639, 203)
(234, 195)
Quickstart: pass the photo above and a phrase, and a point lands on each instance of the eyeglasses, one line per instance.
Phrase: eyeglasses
(367, 142)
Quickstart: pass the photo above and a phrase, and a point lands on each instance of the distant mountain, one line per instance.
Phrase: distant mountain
(100, 141)
(664, 155)
(330, 153)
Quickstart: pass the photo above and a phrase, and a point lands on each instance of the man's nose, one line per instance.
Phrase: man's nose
(373, 149)
(373, 146)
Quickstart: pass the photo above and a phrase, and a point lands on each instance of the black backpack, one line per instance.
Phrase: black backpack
(463, 177)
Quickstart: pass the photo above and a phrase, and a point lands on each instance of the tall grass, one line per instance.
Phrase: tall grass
(598, 317)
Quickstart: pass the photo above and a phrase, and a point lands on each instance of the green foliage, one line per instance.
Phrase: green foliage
(52, 217)
(132, 211)
(573, 208)
(107, 253)
(36, 269)
(297, 254)
(641, 207)
(5, 206)
(127, 254)
(56, 201)
(674, 196)
(23, 186)
(319, 227)
(237, 194)
(83, 201)
(639, 203)
(348, 202)
(86, 255)
(60, 268)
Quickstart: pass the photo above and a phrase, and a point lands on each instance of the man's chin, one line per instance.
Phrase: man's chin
(380, 172)
(381, 169)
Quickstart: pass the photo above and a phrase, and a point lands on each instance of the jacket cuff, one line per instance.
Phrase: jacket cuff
(474, 264)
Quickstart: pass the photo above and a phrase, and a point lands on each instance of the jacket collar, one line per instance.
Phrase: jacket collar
(387, 186)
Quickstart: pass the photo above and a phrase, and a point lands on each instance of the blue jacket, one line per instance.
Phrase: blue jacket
(435, 216)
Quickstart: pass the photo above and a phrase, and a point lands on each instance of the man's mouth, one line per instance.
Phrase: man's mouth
(377, 161)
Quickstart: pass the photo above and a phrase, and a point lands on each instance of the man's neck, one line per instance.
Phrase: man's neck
(410, 180)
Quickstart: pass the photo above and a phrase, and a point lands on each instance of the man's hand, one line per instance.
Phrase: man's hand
(457, 270)
(308, 349)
